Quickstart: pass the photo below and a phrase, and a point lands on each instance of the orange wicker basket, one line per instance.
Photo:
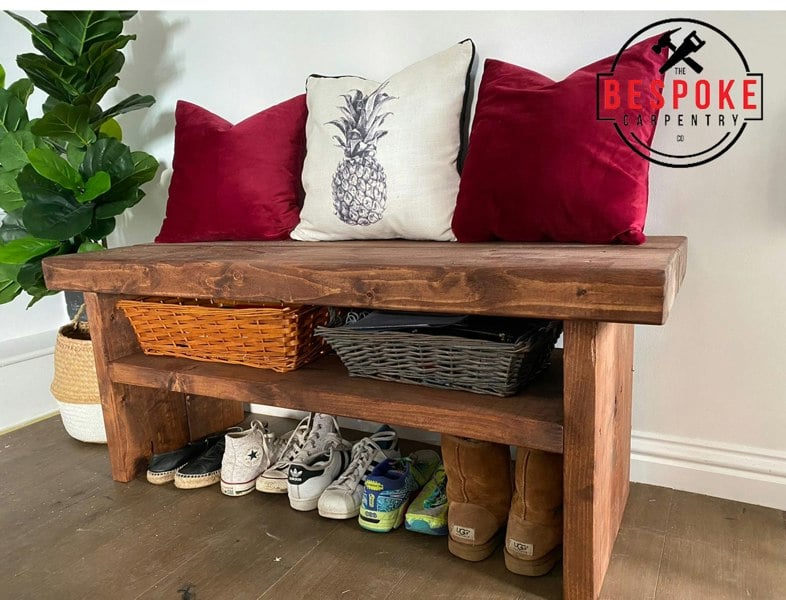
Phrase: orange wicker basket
(278, 337)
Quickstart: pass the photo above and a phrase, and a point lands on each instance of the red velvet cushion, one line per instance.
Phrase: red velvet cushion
(236, 182)
(540, 167)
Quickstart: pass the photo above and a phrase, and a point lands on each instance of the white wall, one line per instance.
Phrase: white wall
(709, 413)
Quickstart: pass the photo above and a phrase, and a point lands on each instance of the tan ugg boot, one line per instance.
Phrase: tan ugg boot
(479, 490)
(533, 543)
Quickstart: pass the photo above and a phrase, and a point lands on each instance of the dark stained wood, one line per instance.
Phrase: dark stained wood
(142, 421)
(533, 418)
(207, 415)
(598, 362)
(631, 284)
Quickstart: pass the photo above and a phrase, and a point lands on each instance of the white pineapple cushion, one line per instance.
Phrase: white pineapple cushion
(381, 158)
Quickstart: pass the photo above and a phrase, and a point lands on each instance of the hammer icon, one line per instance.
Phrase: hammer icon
(687, 47)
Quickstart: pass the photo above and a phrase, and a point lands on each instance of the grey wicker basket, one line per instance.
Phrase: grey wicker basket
(445, 361)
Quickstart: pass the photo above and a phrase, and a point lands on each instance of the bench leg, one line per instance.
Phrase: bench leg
(598, 388)
(143, 421)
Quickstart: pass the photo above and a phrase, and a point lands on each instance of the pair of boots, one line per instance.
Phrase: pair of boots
(482, 497)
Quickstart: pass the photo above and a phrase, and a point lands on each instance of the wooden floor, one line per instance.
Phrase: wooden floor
(68, 531)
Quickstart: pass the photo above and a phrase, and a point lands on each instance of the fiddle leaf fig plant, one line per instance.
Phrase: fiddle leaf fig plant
(65, 176)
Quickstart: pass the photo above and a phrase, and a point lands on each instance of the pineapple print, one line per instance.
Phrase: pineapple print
(359, 183)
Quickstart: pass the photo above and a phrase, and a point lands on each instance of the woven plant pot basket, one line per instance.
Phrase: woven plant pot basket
(277, 337)
(75, 385)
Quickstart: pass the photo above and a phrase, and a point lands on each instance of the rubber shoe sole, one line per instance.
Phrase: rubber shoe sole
(237, 489)
(269, 485)
(304, 504)
(382, 522)
(423, 526)
(338, 515)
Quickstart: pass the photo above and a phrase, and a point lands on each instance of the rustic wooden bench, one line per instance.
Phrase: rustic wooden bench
(581, 407)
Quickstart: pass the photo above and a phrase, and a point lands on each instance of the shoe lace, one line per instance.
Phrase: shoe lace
(315, 433)
(287, 450)
(362, 454)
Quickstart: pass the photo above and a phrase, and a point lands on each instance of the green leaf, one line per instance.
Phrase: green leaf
(133, 102)
(67, 123)
(60, 81)
(39, 292)
(109, 155)
(31, 275)
(14, 147)
(2, 77)
(22, 90)
(100, 229)
(45, 41)
(104, 60)
(18, 252)
(10, 196)
(119, 204)
(89, 247)
(93, 96)
(145, 168)
(78, 30)
(51, 212)
(9, 290)
(55, 168)
(12, 227)
(9, 272)
(95, 186)
(127, 14)
(112, 129)
(13, 115)
(75, 155)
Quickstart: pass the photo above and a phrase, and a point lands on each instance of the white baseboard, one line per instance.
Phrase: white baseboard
(734, 472)
(26, 371)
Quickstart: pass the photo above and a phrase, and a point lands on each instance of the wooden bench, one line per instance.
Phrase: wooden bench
(581, 407)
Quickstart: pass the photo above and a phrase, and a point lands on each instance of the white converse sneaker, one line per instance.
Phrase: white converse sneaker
(341, 499)
(307, 481)
(247, 454)
(315, 434)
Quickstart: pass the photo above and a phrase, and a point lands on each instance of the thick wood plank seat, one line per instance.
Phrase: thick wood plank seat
(581, 407)
(626, 284)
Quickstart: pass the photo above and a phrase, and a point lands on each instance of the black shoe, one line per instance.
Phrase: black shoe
(163, 466)
(204, 470)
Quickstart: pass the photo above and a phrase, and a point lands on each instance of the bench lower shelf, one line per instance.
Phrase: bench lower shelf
(532, 418)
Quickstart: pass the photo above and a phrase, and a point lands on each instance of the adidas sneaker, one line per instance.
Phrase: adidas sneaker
(307, 480)
(341, 499)
(246, 454)
(314, 435)
(391, 486)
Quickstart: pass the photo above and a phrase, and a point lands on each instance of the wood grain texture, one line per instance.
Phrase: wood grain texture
(598, 362)
(140, 421)
(533, 418)
(631, 284)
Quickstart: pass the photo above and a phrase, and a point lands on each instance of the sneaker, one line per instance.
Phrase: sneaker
(162, 467)
(428, 512)
(307, 480)
(391, 486)
(314, 435)
(273, 480)
(341, 499)
(205, 469)
(248, 453)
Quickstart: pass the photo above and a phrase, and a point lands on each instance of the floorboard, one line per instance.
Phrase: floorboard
(70, 532)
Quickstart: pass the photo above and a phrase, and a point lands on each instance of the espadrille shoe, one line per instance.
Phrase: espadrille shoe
(162, 467)
(205, 469)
